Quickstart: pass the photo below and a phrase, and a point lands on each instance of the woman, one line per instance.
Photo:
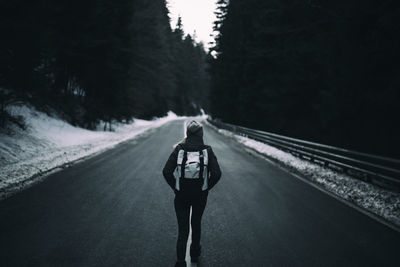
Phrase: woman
(196, 172)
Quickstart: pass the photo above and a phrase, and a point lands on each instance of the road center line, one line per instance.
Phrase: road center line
(189, 241)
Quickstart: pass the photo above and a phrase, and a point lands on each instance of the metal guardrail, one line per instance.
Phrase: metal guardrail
(382, 171)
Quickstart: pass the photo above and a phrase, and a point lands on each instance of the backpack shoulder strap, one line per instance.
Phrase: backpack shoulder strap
(180, 157)
(183, 162)
(201, 155)
(205, 155)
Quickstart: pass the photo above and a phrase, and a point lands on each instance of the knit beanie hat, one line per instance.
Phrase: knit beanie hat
(194, 128)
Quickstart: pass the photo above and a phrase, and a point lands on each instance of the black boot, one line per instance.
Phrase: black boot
(195, 253)
(180, 264)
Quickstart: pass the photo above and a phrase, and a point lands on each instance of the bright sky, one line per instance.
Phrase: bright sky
(197, 15)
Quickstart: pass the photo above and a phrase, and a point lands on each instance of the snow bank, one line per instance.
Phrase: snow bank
(50, 142)
(379, 201)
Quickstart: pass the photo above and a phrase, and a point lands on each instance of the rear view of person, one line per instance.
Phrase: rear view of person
(191, 171)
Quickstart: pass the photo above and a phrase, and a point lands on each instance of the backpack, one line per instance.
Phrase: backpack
(192, 165)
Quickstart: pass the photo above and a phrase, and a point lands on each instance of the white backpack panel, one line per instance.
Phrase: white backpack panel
(192, 167)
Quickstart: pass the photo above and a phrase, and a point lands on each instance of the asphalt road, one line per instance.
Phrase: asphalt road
(115, 209)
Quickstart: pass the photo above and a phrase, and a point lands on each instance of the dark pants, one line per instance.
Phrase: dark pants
(183, 201)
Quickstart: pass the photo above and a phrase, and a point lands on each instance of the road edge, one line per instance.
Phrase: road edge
(9, 191)
(304, 179)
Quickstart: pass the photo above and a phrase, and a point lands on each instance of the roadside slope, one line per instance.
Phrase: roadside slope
(49, 142)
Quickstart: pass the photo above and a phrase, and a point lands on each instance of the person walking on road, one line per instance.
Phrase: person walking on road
(191, 171)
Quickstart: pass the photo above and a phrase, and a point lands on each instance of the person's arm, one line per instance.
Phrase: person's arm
(169, 168)
(213, 166)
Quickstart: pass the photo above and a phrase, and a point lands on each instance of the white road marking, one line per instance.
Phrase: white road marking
(187, 258)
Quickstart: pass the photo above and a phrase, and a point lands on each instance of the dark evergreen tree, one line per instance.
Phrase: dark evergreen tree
(320, 70)
(99, 60)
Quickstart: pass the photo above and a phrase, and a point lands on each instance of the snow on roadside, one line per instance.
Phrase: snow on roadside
(50, 142)
(379, 201)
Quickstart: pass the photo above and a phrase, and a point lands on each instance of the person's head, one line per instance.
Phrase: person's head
(194, 129)
(194, 133)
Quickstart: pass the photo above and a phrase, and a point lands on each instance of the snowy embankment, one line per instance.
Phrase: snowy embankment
(381, 202)
(49, 142)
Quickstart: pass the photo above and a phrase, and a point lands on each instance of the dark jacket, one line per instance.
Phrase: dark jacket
(192, 144)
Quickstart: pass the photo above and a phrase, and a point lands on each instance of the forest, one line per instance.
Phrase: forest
(99, 60)
(325, 71)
